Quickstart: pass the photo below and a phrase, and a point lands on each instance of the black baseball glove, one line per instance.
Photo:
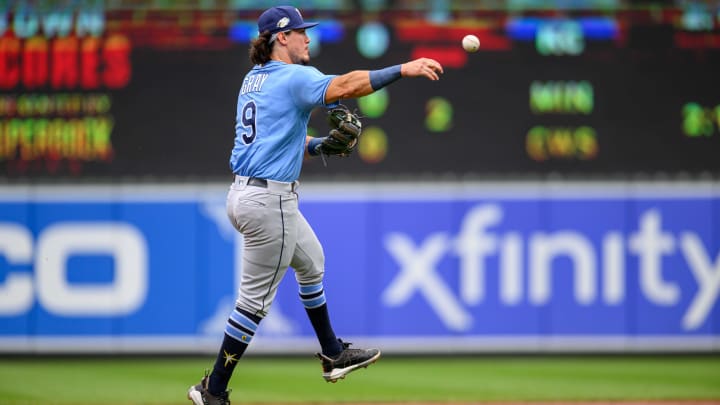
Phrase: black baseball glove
(345, 129)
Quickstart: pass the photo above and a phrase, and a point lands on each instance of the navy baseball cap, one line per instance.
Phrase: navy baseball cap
(282, 18)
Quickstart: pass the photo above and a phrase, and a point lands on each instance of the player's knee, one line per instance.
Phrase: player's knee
(310, 275)
(253, 307)
(310, 270)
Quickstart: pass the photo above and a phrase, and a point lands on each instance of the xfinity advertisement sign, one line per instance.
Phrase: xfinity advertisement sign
(529, 266)
(471, 267)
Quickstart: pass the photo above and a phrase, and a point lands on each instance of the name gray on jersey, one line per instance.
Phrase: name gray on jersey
(253, 83)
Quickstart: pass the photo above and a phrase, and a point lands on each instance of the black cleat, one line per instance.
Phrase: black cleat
(199, 394)
(349, 360)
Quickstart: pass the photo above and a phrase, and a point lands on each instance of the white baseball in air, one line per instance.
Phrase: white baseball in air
(470, 43)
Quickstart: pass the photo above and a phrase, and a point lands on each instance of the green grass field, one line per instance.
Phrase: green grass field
(122, 380)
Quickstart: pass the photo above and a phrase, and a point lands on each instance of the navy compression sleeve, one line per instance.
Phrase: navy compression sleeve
(382, 77)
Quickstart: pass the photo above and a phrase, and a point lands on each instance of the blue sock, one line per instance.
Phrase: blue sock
(239, 331)
(313, 299)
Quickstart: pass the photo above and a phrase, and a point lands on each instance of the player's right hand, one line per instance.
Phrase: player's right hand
(422, 67)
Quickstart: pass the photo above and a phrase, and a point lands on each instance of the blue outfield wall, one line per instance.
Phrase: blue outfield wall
(462, 267)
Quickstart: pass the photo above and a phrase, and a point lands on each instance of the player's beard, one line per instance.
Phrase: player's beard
(300, 59)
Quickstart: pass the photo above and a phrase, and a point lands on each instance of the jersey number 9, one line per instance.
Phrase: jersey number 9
(248, 121)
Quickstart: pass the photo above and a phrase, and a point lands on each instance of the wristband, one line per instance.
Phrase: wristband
(312, 146)
(383, 77)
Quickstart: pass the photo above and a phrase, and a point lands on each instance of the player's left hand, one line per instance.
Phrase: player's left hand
(345, 129)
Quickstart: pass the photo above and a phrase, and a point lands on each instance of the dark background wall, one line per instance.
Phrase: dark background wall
(147, 90)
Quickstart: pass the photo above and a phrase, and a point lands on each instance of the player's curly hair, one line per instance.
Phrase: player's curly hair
(261, 48)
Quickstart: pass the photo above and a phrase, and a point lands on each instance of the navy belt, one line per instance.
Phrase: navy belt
(271, 185)
(257, 182)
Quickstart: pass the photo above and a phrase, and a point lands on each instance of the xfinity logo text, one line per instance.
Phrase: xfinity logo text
(599, 272)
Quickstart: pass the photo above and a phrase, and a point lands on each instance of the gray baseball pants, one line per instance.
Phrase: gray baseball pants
(276, 236)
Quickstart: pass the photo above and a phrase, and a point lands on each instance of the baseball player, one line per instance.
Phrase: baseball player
(273, 110)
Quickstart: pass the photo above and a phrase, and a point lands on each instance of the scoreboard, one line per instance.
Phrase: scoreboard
(108, 94)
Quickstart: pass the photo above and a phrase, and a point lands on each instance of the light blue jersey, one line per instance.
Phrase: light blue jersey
(273, 111)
